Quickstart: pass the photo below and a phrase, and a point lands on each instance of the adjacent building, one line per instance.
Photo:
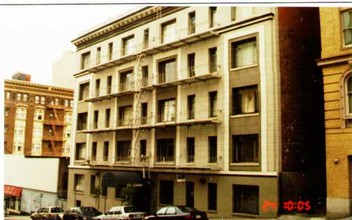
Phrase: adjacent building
(219, 108)
(336, 61)
(37, 136)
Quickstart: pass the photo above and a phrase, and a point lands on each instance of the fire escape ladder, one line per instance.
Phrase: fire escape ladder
(137, 106)
(53, 125)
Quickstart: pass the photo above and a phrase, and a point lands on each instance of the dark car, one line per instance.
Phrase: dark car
(179, 213)
(81, 213)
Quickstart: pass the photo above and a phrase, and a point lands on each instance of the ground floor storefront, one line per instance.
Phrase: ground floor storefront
(222, 195)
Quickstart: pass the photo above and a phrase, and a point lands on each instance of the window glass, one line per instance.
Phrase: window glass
(245, 199)
(349, 94)
(169, 31)
(245, 148)
(347, 27)
(244, 53)
(245, 100)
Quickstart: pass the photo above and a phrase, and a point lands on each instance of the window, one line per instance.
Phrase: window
(36, 99)
(21, 113)
(6, 128)
(146, 38)
(110, 50)
(165, 150)
(18, 97)
(96, 119)
(245, 199)
(38, 114)
(144, 113)
(244, 53)
(245, 100)
(125, 115)
(25, 97)
(190, 150)
(7, 112)
(145, 76)
(82, 121)
(143, 150)
(106, 151)
(166, 193)
(108, 85)
(85, 59)
(107, 117)
(213, 149)
(212, 16)
(167, 71)
(97, 87)
(80, 151)
(83, 91)
(8, 96)
(79, 182)
(92, 184)
(42, 100)
(168, 31)
(213, 104)
(347, 27)
(192, 23)
(123, 150)
(213, 60)
(98, 57)
(128, 45)
(94, 151)
(245, 148)
(233, 13)
(212, 196)
(191, 99)
(348, 97)
(166, 110)
(126, 83)
(191, 64)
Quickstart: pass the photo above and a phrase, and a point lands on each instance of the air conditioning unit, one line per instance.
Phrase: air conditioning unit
(180, 178)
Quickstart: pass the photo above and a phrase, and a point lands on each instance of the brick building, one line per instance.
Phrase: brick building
(336, 59)
(219, 108)
(37, 136)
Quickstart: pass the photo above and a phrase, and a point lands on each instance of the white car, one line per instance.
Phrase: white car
(122, 213)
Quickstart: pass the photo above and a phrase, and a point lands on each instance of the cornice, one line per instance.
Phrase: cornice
(9, 83)
(333, 60)
(123, 24)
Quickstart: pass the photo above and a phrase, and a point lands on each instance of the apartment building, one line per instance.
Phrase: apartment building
(37, 136)
(336, 59)
(216, 108)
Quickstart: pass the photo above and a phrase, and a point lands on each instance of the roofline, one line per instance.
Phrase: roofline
(36, 85)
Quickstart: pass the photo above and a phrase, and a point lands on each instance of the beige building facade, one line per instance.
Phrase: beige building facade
(336, 32)
(185, 103)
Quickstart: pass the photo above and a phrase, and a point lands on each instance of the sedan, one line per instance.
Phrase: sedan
(179, 213)
(81, 213)
(121, 213)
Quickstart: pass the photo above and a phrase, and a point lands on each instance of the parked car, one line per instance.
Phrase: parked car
(81, 213)
(179, 213)
(48, 213)
(122, 213)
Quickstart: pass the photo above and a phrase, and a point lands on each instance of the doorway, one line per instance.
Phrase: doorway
(190, 194)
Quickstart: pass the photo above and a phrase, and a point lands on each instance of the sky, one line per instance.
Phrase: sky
(33, 37)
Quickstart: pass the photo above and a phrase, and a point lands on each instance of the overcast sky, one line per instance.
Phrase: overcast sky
(32, 37)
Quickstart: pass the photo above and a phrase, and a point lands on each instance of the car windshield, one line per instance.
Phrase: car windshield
(56, 210)
(130, 209)
(187, 209)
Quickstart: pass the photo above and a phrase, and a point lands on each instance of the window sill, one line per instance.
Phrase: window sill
(245, 115)
(245, 164)
(243, 67)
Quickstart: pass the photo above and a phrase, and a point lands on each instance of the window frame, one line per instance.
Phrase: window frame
(191, 106)
(163, 29)
(237, 108)
(192, 22)
(239, 145)
(212, 196)
(82, 121)
(212, 59)
(242, 41)
(83, 91)
(85, 60)
(128, 46)
(191, 60)
(80, 151)
(212, 150)
(213, 99)
(162, 150)
(165, 105)
(165, 74)
(240, 193)
(123, 150)
(343, 28)
(190, 149)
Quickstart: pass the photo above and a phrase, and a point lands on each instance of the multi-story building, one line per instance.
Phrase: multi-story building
(336, 60)
(37, 135)
(219, 108)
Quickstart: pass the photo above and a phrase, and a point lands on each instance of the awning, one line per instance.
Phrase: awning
(12, 191)
(119, 178)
